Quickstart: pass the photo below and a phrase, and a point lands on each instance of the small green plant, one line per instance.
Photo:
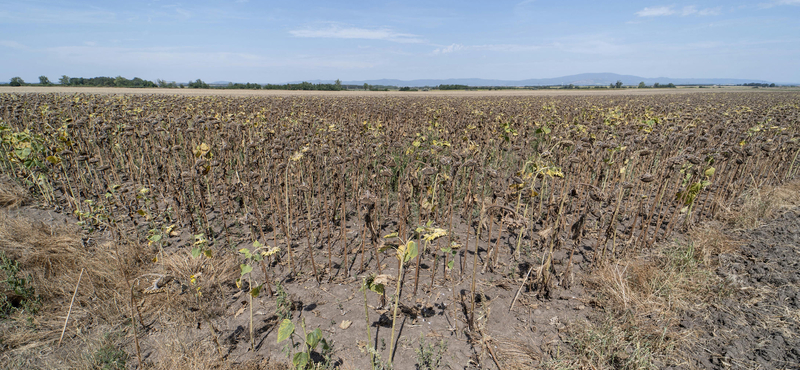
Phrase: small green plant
(302, 360)
(375, 284)
(283, 305)
(429, 355)
(95, 215)
(109, 357)
(451, 250)
(20, 295)
(200, 246)
(405, 253)
(257, 255)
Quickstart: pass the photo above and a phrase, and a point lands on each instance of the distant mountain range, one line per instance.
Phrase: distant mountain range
(583, 79)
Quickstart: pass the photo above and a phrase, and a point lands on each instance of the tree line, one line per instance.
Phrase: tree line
(120, 81)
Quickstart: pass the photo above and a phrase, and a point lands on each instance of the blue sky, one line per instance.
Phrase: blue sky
(280, 41)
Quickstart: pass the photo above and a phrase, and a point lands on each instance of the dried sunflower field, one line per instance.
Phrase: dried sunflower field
(363, 232)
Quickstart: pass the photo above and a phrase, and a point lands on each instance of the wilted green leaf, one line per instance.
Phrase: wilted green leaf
(325, 346)
(285, 330)
(374, 284)
(246, 268)
(312, 338)
(23, 153)
(300, 360)
(196, 252)
(409, 251)
(255, 291)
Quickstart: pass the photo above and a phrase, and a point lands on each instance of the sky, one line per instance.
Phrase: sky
(281, 41)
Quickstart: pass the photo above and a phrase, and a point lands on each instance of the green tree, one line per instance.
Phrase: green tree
(366, 86)
(642, 85)
(338, 84)
(618, 84)
(198, 84)
(43, 80)
(64, 80)
(16, 81)
(656, 85)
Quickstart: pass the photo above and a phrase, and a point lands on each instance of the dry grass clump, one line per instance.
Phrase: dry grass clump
(45, 252)
(758, 204)
(12, 195)
(668, 279)
(198, 288)
(644, 297)
(609, 345)
(51, 259)
(180, 349)
(209, 274)
(515, 354)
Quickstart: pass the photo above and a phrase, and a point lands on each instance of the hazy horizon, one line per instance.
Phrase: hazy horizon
(247, 41)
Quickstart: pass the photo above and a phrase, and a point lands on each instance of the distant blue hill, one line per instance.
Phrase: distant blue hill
(583, 79)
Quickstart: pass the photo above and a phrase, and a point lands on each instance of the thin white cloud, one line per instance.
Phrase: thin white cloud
(663, 11)
(510, 48)
(779, 2)
(658, 11)
(449, 49)
(710, 11)
(337, 32)
(12, 44)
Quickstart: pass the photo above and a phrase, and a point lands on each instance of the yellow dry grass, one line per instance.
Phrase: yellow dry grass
(12, 195)
(763, 203)
(98, 332)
